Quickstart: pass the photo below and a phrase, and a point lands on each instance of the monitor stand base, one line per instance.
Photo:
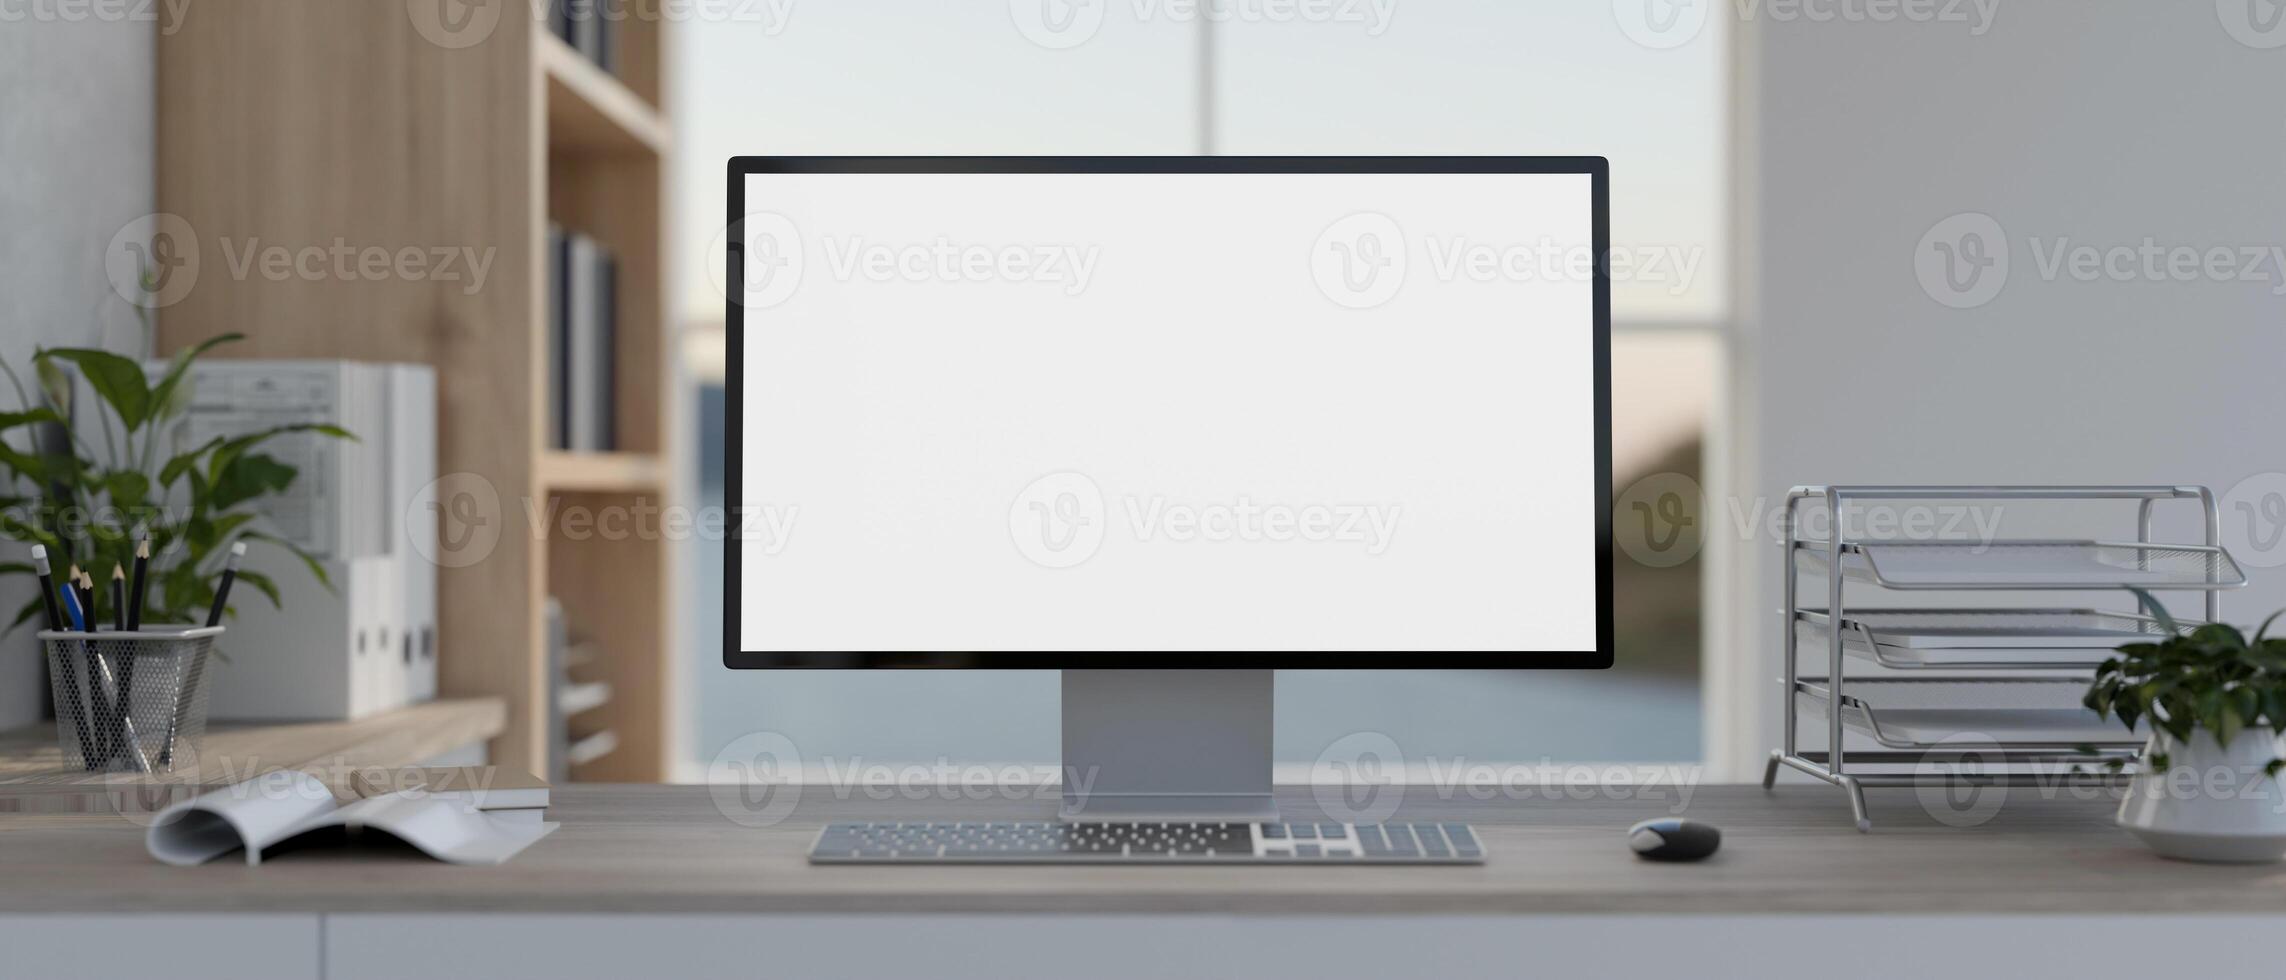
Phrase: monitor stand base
(1168, 745)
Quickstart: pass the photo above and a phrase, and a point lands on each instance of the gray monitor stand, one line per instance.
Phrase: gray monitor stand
(1167, 745)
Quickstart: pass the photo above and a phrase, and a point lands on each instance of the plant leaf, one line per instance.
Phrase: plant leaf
(176, 467)
(10, 420)
(55, 385)
(317, 568)
(246, 478)
(229, 451)
(2156, 611)
(164, 396)
(119, 381)
(128, 489)
(23, 615)
(263, 584)
(2265, 627)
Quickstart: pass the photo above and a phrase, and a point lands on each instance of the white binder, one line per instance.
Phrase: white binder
(370, 645)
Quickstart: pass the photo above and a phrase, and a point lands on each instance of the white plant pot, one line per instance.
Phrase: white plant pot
(2213, 802)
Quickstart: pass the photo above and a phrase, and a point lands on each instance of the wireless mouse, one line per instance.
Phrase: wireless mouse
(1673, 839)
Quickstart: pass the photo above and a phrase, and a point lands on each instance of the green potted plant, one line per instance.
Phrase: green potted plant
(2206, 787)
(84, 491)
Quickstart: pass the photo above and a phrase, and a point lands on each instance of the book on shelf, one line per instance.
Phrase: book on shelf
(583, 332)
(591, 27)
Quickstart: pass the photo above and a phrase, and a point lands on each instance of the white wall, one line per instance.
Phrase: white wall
(75, 166)
(2103, 123)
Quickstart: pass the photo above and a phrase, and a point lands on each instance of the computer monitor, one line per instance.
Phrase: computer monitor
(1168, 424)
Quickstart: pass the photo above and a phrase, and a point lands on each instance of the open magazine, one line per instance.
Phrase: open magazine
(275, 807)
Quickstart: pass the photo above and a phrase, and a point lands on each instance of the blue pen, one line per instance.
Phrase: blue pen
(69, 672)
(105, 686)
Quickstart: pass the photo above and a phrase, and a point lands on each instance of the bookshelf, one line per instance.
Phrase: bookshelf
(307, 124)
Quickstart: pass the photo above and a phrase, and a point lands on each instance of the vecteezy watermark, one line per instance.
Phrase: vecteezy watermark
(1665, 519)
(1660, 520)
(1965, 260)
(342, 261)
(465, 510)
(1961, 780)
(168, 14)
(756, 780)
(1359, 778)
(467, 513)
(156, 259)
(152, 261)
(2254, 23)
(455, 24)
(759, 778)
(1962, 261)
(1061, 24)
(1362, 260)
(2253, 513)
(776, 258)
(1665, 24)
(1060, 520)
(1364, 777)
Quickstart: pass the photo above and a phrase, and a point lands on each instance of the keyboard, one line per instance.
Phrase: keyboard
(1171, 842)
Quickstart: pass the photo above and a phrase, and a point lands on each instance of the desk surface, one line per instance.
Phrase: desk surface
(669, 849)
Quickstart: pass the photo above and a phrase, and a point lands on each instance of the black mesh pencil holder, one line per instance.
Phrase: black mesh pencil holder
(130, 701)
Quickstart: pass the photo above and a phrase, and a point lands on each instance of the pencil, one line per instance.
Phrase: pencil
(222, 591)
(135, 593)
(47, 586)
(65, 668)
(118, 598)
(84, 595)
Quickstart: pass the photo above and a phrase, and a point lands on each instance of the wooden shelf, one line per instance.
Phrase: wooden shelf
(33, 778)
(482, 146)
(589, 110)
(602, 472)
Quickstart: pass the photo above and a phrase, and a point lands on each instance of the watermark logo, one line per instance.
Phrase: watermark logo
(1058, 521)
(1962, 261)
(1057, 24)
(1061, 24)
(2254, 23)
(1359, 261)
(1362, 261)
(1666, 24)
(2254, 520)
(756, 780)
(152, 261)
(1665, 519)
(773, 259)
(1359, 778)
(1661, 24)
(167, 13)
(1965, 788)
(455, 23)
(465, 509)
(1660, 520)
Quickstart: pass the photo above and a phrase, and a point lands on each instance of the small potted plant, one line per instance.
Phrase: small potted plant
(2206, 787)
(83, 494)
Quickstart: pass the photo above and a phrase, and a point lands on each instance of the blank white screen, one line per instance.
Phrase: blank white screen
(1147, 412)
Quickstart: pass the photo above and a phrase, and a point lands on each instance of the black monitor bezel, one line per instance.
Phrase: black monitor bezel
(1596, 168)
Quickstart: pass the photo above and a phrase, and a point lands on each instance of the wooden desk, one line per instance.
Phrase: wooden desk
(663, 865)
